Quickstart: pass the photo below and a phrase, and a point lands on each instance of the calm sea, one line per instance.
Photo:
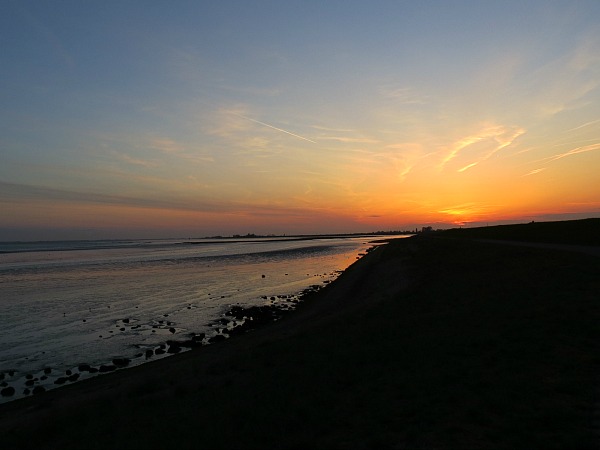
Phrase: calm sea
(88, 302)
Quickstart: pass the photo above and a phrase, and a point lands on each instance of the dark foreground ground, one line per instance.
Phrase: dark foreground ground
(428, 342)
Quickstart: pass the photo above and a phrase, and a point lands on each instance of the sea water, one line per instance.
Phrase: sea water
(63, 304)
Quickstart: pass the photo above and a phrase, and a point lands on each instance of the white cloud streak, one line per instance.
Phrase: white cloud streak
(273, 127)
(575, 151)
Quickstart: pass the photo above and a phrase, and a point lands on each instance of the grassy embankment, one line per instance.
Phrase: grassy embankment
(487, 346)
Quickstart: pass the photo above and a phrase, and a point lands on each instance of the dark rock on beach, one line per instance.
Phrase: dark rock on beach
(121, 362)
(8, 391)
(174, 349)
(198, 337)
(217, 338)
(74, 377)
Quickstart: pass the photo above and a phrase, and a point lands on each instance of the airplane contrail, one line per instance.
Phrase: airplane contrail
(271, 126)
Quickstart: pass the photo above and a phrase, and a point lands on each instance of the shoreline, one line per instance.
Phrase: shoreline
(268, 318)
(17, 382)
(422, 343)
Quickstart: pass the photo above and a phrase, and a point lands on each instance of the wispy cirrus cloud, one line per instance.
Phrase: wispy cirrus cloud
(584, 125)
(349, 140)
(149, 150)
(274, 127)
(533, 172)
(565, 83)
(402, 95)
(246, 135)
(136, 161)
(574, 151)
(332, 129)
(492, 139)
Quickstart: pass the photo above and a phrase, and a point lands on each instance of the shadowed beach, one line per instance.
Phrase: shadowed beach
(442, 340)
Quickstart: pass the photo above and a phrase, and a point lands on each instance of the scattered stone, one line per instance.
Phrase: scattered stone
(217, 338)
(61, 380)
(149, 353)
(107, 368)
(84, 367)
(121, 362)
(172, 330)
(74, 377)
(29, 376)
(198, 337)
(8, 391)
(26, 391)
(125, 320)
(173, 348)
(159, 351)
(68, 372)
(29, 383)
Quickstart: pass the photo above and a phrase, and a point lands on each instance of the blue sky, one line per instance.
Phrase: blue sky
(176, 118)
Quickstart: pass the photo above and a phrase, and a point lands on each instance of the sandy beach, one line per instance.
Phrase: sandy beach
(423, 343)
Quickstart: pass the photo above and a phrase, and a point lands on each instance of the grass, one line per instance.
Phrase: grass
(491, 346)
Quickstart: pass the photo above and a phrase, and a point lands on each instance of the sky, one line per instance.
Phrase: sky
(200, 118)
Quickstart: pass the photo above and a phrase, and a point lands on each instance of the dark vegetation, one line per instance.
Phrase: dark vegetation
(487, 346)
(575, 232)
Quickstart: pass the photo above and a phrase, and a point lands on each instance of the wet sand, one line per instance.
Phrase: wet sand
(423, 343)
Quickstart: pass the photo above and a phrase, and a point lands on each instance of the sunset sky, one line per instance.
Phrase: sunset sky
(195, 118)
